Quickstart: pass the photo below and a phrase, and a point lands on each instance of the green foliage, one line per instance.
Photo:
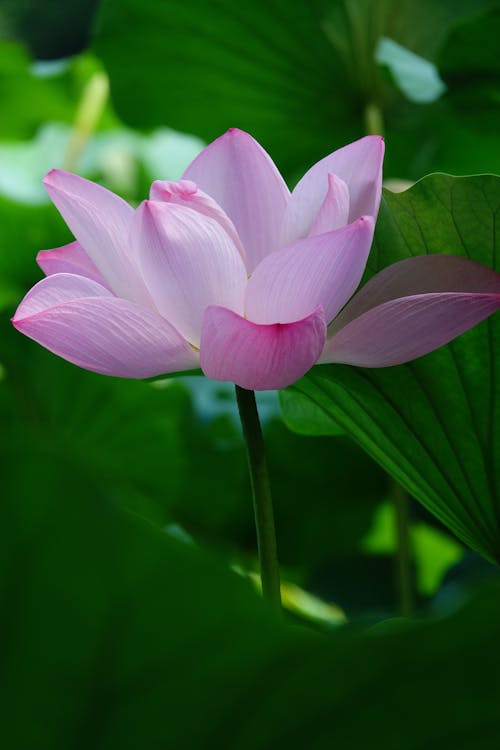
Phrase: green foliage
(25, 229)
(470, 63)
(116, 636)
(143, 446)
(304, 417)
(52, 29)
(28, 101)
(298, 76)
(114, 633)
(325, 492)
(211, 66)
(433, 423)
(433, 551)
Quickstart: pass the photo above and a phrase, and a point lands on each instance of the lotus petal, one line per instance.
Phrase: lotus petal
(323, 270)
(237, 172)
(334, 211)
(70, 258)
(81, 321)
(359, 165)
(412, 308)
(189, 262)
(187, 194)
(100, 221)
(259, 357)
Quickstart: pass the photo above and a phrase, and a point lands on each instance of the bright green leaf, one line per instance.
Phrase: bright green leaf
(435, 553)
(433, 424)
(432, 551)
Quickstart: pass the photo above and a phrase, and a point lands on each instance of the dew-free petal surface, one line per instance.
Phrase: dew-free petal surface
(70, 258)
(259, 357)
(100, 221)
(186, 193)
(77, 319)
(189, 262)
(56, 290)
(323, 270)
(422, 274)
(334, 211)
(408, 327)
(359, 165)
(237, 172)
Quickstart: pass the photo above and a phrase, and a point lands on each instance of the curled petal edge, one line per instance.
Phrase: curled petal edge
(70, 258)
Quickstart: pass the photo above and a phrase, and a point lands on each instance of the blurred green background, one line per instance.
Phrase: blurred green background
(129, 616)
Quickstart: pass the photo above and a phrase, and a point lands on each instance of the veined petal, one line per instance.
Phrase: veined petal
(100, 221)
(187, 193)
(359, 165)
(188, 262)
(422, 274)
(70, 258)
(259, 357)
(237, 172)
(334, 211)
(323, 270)
(412, 308)
(55, 290)
(406, 328)
(81, 321)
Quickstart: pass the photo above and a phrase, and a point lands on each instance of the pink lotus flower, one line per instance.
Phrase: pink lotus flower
(229, 271)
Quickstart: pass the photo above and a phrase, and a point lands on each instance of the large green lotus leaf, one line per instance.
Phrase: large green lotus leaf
(432, 423)
(116, 636)
(304, 417)
(297, 75)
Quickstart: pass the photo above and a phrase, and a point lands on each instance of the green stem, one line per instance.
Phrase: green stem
(404, 580)
(261, 491)
(89, 112)
(374, 119)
